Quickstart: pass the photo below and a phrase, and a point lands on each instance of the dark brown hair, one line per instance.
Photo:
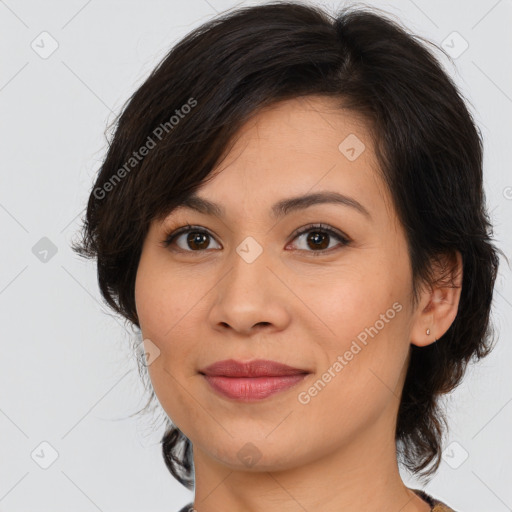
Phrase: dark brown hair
(188, 111)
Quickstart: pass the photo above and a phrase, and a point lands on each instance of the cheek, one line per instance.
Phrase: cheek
(348, 302)
(358, 386)
(162, 298)
(163, 319)
(363, 341)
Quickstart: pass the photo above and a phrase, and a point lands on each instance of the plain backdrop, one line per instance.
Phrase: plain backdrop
(68, 382)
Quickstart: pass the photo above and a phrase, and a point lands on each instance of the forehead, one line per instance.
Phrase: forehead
(299, 146)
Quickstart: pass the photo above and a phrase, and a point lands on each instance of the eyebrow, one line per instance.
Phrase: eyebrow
(281, 208)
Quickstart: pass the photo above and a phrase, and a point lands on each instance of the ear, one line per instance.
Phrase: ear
(438, 302)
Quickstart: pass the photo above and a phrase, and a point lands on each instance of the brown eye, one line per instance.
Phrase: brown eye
(189, 239)
(318, 239)
(197, 240)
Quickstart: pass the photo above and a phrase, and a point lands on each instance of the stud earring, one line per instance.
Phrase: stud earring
(428, 332)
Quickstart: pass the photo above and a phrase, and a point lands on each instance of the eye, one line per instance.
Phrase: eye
(196, 239)
(319, 238)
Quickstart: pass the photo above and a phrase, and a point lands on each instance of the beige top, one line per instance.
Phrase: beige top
(437, 506)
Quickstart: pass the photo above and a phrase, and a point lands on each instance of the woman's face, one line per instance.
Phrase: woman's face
(247, 287)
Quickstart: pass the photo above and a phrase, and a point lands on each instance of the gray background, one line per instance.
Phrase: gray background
(67, 376)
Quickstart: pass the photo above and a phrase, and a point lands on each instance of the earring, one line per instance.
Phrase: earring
(428, 332)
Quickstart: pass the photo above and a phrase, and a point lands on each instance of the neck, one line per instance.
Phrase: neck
(360, 475)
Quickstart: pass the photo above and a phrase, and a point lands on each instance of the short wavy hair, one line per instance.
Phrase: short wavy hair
(186, 116)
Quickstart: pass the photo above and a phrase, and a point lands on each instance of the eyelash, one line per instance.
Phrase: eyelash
(321, 228)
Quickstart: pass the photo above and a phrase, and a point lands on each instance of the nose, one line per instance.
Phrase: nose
(251, 297)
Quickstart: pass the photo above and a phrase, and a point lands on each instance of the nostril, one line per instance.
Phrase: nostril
(262, 323)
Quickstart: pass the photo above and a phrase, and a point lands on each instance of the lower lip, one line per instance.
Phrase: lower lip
(252, 388)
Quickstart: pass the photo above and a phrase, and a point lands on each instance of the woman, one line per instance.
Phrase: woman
(291, 212)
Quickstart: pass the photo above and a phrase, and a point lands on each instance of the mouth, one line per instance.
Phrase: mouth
(251, 381)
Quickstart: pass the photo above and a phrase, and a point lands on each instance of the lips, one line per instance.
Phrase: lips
(251, 381)
(255, 368)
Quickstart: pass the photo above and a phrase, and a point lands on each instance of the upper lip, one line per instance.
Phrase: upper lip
(254, 368)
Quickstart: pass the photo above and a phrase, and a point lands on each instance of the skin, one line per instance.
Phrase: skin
(205, 303)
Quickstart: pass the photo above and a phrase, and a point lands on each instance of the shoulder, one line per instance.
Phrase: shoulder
(437, 505)
(441, 507)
